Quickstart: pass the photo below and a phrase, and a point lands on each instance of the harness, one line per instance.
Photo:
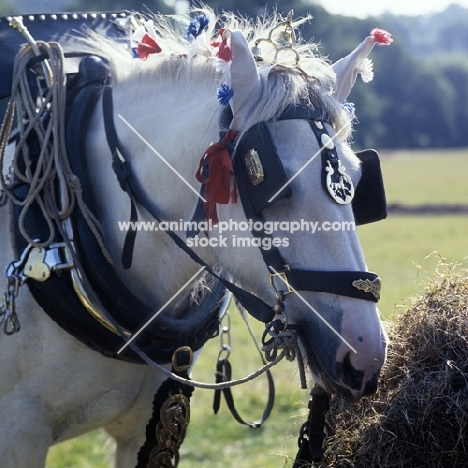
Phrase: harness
(103, 321)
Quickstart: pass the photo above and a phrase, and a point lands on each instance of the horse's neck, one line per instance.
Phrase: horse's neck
(178, 125)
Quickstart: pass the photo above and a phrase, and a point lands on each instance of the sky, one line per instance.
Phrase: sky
(364, 8)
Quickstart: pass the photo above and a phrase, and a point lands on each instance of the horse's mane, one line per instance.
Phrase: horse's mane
(313, 79)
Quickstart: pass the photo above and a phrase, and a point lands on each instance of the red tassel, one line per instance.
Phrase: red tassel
(147, 46)
(224, 51)
(218, 184)
(216, 42)
(380, 36)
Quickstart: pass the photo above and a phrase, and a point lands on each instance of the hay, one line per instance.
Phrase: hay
(419, 417)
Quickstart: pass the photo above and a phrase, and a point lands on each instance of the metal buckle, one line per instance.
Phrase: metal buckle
(284, 279)
(182, 359)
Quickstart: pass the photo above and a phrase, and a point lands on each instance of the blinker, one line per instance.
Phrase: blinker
(259, 172)
(259, 169)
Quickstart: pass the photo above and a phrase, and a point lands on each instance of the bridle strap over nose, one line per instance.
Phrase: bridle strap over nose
(357, 284)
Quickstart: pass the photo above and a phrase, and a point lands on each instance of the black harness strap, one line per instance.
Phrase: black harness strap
(224, 374)
(312, 433)
(123, 175)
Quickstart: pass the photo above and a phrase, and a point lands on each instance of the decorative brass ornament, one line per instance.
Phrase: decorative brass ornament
(339, 183)
(170, 432)
(254, 167)
(279, 43)
(369, 286)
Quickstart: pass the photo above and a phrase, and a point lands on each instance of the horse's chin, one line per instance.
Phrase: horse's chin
(329, 384)
(334, 388)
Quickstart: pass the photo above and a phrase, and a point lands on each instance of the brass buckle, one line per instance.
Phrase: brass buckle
(284, 279)
(182, 359)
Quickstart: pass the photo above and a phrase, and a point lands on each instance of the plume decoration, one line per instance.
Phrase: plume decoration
(219, 185)
(382, 37)
(144, 41)
(350, 108)
(196, 27)
(198, 41)
(366, 69)
(224, 94)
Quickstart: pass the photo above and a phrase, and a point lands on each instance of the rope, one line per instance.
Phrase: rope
(286, 351)
(287, 341)
(49, 177)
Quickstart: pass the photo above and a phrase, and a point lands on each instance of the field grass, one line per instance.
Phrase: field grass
(399, 249)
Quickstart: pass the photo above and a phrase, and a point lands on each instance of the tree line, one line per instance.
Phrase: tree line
(412, 103)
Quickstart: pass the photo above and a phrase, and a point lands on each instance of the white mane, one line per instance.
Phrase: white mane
(313, 79)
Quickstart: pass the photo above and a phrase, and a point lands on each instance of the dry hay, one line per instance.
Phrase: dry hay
(419, 417)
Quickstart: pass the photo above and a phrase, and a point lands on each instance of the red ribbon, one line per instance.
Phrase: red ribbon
(147, 46)
(220, 172)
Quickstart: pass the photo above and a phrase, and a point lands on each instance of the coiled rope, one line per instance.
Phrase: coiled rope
(49, 177)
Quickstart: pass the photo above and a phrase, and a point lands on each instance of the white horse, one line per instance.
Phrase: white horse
(53, 387)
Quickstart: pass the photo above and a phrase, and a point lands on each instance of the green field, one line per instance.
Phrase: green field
(401, 249)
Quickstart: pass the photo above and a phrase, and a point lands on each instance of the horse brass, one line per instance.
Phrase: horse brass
(254, 167)
(369, 286)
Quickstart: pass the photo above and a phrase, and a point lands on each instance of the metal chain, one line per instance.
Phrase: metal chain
(225, 337)
(8, 179)
(8, 315)
(14, 273)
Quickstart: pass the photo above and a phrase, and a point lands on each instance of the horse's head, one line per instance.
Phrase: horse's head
(307, 238)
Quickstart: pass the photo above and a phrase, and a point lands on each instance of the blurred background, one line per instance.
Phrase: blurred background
(420, 93)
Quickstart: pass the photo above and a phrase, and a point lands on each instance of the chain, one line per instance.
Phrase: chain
(15, 278)
(8, 180)
(8, 315)
(225, 337)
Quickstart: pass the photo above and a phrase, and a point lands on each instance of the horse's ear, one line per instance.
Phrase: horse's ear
(347, 68)
(245, 80)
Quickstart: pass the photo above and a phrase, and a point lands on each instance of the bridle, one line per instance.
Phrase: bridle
(335, 282)
(342, 283)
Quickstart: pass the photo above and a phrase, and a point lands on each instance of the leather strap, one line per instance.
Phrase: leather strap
(224, 374)
(122, 171)
(312, 432)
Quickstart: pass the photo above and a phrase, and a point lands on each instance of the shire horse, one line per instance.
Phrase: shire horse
(283, 160)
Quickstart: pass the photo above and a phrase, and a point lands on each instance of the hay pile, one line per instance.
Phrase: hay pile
(419, 418)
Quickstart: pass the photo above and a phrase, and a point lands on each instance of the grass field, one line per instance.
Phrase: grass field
(399, 249)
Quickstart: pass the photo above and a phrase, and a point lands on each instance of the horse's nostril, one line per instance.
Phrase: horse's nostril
(352, 376)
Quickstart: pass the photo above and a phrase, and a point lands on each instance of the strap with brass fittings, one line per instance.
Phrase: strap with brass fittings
(170, 432)
(283, 279)
(167, 427)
